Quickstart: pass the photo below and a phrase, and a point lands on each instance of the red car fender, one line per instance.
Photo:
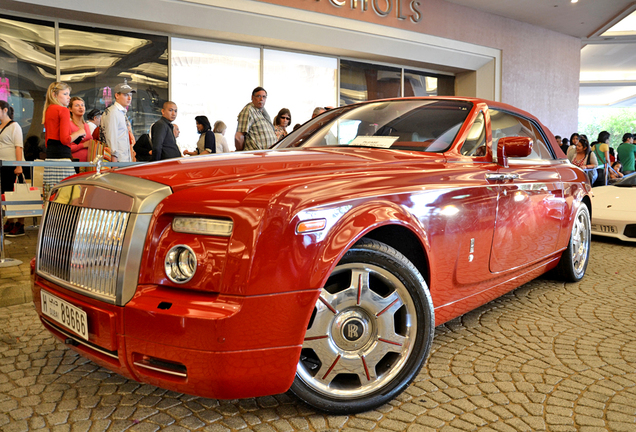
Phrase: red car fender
(353, 226)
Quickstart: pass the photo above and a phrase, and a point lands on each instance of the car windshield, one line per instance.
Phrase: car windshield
(412, 124)
(627, 181)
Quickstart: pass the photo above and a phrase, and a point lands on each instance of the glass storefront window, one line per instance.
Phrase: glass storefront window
(418, 83)
(27, 67)
(93, 61)
(364, 81)
(298, 82)
(211, 79)
(207, 78)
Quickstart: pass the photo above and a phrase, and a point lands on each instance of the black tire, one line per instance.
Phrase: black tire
(575, 258)
(370, 333)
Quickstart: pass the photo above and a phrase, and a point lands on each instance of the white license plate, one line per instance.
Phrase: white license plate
(65, 313)
(605, 228)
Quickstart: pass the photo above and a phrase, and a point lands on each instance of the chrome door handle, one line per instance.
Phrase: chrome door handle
(499, 176)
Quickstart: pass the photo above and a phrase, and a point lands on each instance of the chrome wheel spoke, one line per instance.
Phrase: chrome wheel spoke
(380, 306)
(391, 341)
(354, 365)
(388, 338)
(324, 315)
(329, 361)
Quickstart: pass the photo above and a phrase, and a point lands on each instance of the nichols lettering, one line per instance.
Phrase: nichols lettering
(401, 9)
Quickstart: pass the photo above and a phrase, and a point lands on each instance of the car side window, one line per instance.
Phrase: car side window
(475, 144)
(508, 125)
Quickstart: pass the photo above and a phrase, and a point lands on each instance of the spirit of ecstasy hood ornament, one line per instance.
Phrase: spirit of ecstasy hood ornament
(99, 163)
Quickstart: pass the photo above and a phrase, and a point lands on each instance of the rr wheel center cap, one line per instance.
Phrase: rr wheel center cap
(352, 329)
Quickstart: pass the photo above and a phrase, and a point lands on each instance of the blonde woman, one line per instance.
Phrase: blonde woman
(221, 142)
(79, 149)
(58, 137)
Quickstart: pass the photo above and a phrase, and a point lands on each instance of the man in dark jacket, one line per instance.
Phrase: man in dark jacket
(164, 144)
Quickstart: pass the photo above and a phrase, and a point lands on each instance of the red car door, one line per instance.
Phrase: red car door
(530, 205)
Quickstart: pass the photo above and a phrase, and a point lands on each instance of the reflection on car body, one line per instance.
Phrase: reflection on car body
(322, 265)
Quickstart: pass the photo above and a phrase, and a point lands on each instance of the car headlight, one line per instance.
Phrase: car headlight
(214, 227)
(180, 264)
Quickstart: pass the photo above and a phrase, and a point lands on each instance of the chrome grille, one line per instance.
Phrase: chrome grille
(82, 246)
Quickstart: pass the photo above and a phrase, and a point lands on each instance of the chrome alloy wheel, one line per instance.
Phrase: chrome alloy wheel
(361, 333)
(573, 262)
(580, 242)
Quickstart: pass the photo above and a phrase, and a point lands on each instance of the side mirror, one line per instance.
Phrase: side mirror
(512, 147)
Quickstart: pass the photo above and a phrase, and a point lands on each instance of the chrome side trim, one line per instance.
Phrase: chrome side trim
(156, 369)
(501, 177)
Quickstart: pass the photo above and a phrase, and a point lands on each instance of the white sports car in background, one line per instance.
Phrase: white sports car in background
(614, 209)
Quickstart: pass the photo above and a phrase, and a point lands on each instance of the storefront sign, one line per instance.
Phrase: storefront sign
(402, 9)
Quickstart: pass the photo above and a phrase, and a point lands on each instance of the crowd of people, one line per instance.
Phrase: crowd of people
(68, 136)
(602, 163)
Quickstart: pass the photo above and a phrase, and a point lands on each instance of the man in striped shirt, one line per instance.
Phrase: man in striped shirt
(255, 130)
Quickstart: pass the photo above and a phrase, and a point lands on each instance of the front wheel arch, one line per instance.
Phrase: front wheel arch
(384, 221)
(405, 241)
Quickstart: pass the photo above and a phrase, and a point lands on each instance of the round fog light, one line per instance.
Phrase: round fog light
(180, 264)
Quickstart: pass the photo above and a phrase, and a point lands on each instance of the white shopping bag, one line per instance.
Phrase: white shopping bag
(23, 192)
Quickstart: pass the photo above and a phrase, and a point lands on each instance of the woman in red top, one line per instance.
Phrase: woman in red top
(58, 135)
(80, 150)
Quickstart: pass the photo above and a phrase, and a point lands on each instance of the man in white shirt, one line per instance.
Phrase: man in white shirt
(115, 126)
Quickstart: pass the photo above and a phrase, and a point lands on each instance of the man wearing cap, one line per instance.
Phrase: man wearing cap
(115, 126)
(164, 142)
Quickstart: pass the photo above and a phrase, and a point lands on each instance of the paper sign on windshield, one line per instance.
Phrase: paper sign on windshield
(373, 141)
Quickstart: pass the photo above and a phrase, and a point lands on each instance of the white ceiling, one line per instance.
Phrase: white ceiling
(608, 63)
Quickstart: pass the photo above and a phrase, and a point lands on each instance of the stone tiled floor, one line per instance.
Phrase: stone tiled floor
(547, 357)
(15, 281)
